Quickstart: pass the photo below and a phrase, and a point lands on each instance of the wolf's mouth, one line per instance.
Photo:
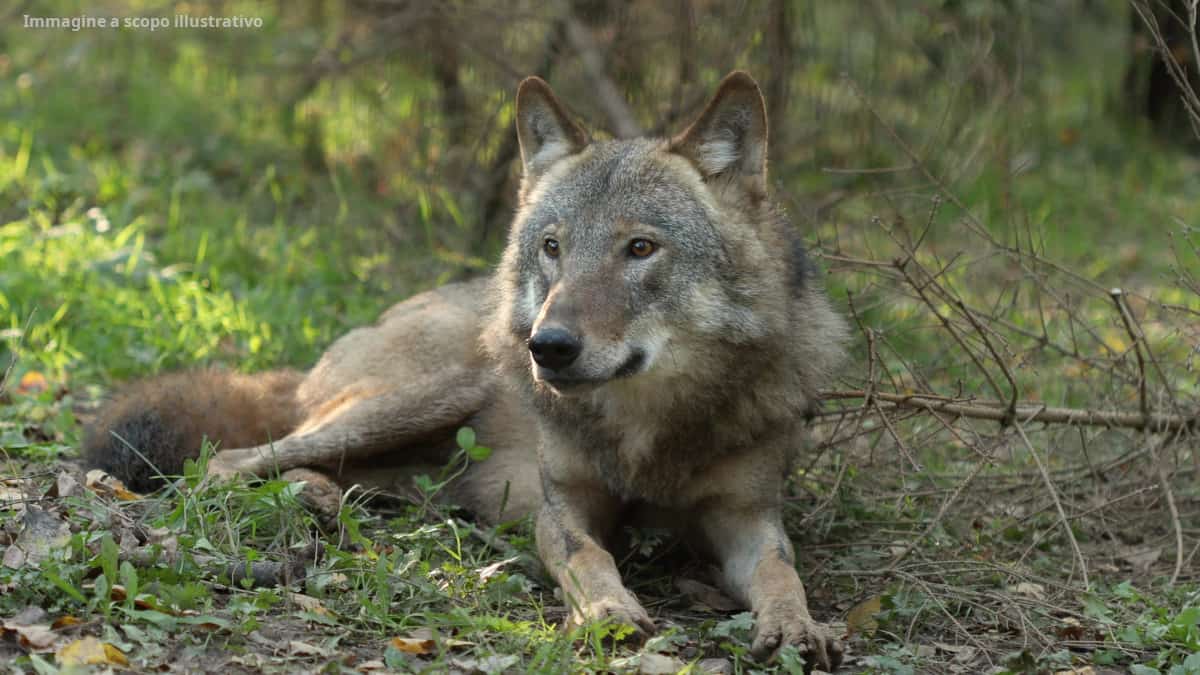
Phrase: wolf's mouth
(632, 365)
(562, 382)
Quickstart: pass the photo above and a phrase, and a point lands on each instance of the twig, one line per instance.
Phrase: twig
(1012, 382)
(259, 573)
(1029, 412)
(1062, 514)
(953, 497)
(1137, 350)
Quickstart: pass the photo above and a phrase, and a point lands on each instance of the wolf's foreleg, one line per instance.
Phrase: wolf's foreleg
(571, 524)
(758, 565)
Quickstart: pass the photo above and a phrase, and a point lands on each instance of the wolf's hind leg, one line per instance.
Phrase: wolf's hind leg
(359, 426)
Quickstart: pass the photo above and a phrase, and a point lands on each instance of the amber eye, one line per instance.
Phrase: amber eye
(641, 248)
(550, 246)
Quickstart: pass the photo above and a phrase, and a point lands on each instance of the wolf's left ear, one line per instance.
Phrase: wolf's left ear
(545, 130)
(729, 139)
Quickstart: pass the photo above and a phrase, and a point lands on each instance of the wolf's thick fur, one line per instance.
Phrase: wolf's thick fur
(648, 348)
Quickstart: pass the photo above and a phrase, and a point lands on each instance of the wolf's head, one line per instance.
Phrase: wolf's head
(634, 257)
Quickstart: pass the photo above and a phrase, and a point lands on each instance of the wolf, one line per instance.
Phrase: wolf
(647, 351)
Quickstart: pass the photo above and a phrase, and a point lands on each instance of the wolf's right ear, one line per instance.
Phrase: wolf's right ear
(729, 139)
(545, 130)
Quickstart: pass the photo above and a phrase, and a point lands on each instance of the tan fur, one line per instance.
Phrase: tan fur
(693, 394)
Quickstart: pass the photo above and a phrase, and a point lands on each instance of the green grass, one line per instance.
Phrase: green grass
(164, 206)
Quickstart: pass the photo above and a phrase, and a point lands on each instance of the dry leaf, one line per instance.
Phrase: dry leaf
(490, 664)
(41, 533)
(64, 486)
(65, 621)
(373, 664)
(492, 570)
(714, 667)
(1032, 590)
(861, 619)
(14, 558)
(1141, 559)
(659, 664)
(413, 646)
(14, 492)
(90, 651)
(304, 649)
(308, 603)
(706, 595)
(107, 486)
(32, 633)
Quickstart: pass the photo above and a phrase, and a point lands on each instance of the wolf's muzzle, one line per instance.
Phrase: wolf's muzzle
(554, 348)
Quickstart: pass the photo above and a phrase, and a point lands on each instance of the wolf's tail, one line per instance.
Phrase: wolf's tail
(167, 418)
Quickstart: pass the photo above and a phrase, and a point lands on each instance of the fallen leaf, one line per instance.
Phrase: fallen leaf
(1141, 559)
(65, 621)
(64, 486)
(30, 628)
(308, 603)
(14, 492)
(1071, 630)
(31, 614)
(706, 595)
(14, 558)
(90, 651)
(41, 533)
(304, 649)
(492, 570)
(413, 646)
(659, 664)
(107, 486)
(487, 665)
(714, 667)
(861, 619)
(373, 664)
(1029, 589)
(453, 643)
(962, 653)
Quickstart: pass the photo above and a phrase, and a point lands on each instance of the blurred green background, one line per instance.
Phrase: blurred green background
(187, 196)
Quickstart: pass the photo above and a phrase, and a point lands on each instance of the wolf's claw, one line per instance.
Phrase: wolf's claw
(627, 612)
(815, 641)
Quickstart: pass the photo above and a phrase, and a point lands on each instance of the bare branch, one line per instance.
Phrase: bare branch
(1029, 412)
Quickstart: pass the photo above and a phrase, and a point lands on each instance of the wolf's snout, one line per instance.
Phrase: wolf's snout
(554, 348)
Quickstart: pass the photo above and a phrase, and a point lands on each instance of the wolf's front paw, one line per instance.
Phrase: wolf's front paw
(815, 641)
(625, 611)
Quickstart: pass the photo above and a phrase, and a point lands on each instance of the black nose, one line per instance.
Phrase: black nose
(554, 348)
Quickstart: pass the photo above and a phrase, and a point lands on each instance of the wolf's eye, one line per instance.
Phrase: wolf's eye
(641, 248)
(550, 246)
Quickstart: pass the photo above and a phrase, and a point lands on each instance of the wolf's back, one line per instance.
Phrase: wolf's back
(167, 418)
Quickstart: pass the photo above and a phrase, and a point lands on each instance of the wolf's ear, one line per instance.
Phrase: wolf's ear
(730, 136)
(545, 131)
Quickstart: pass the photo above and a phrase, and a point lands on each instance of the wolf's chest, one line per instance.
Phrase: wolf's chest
(657, 465)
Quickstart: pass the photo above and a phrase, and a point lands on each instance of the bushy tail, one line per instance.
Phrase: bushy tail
(167, 419)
